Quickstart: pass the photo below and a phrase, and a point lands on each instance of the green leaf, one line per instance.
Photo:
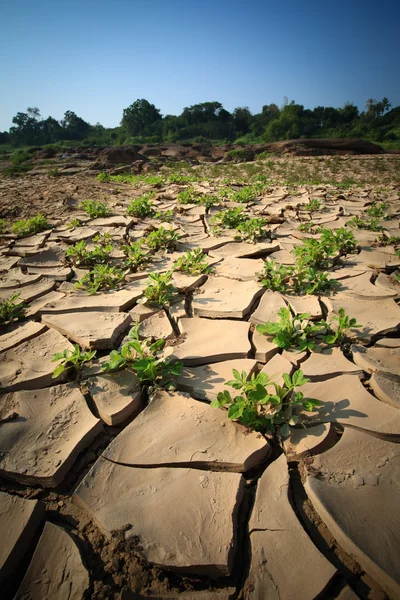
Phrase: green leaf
(60, 355)
(284, 430)
(57, 371)
(310, 403)
(258, 394)
(329, 339)
(299, 379)
(287, 380)
(236, 410)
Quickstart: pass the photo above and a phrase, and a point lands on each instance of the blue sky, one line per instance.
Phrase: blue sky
(96, 57)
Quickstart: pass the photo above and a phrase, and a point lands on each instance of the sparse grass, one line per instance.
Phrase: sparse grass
(95, 209)
(30, 226)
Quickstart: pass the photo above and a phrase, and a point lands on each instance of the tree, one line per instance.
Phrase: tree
(139, 118)
(242, 119)
(74, 127)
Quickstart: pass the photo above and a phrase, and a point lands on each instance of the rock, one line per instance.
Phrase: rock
(140, 312)
(106, 301)
(53, 425)
(346, 401)
(386, 389)
(156, 326)
(296, 358)
(361, 471)
(99, 330)
(56, 273)
(28, 293)
(29, 365)
(275, 533)
(388, 343)
(117, 396)
(361, 287)
(312, 440)
(244, 250)
(15, 279)
(210, 439)
(187, 283)
(207, 381)
(114, 221)
(205, 245)
(73, 236)
(242, 269)
(372, 258)
(305, 304)
(177, 310)
(220, 297)
(283, 257)
(21, 334)
(36, 306)
(172, 511)
(19, 521)
(375, 316)
(8, 262)
(52, 257)
(328, 363)
(267, 310)
(389, 283)
(211, 341)
(378, 360)
(265, 347)
(56, 569)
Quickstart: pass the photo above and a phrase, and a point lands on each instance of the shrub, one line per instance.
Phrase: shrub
(95, 209)
(194, 262)
(161, 239)
(141, 207)
(30, 226)
(159, 290)
(101, 277)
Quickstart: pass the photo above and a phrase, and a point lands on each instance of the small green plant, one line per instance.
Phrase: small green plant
(392, 240)
(145, 359)
(3, 225)
(167, 216)
(313, 205)
(194, 262)
(310, 227)
(377, 209)
(252, 230)
(181, 179)
(72, 360)
(161, 239)
(104, 240)
(246, 194)
(264, 405)
(298, 332)
(10, 310)
(316, 253)
(358, 222)
(189, 196)
(82, 257)
(54, 172)
(209, 200)
(95, 209)
(104, 177)
(30, 226)
(303, 334)
(101, 277)
(229, 219)
(136, 257)
(75, 222)
(341, 240)
(159, 290)
(141, 207)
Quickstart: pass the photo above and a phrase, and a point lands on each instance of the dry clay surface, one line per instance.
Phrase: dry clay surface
(110, 489)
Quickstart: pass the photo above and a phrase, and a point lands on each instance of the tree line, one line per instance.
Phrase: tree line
(210, 122)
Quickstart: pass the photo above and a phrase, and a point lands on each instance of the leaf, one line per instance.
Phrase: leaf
(258, 394)
(284, 430)
(310, 403)
(176, 368)
(59, 356)
(299, 379)
(57, 371)
(287, 380)
(215, 404)
(158, 345)
(294, 420)
(329, 339)
(236, 410)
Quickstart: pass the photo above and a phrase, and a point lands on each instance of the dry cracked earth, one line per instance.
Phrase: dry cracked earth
(109, 490)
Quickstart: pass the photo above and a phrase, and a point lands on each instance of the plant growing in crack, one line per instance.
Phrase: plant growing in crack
(160, 290)
(301, 333)
(265, 406)
(252, 230)
(146, 360)
(81, 256)
(10, 310)
(228, 219)
(136, 257)
(161, 239)
(101, 277)
(95, 209)
(30, 226)
(141, 207)
(72, 360)
(193, 262)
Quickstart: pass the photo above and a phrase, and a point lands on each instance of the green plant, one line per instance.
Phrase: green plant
(377, 209)
(136, 258)
(82, 257)
(75, 222)
(209, 200)
(54, 172)
(10, 310)
(361, 223)
(189, 196)
(167, 216)
(316, 253)
(159, 290)
(30, 226)
(104, 177)
(141, 207)
(392, 240)
(313, 205)
(101, 277)
(145, 359)
(3, 225)
(72, 360)
(179, 178)
(104, 240)
(341, 240)
(298, 332)
(337, 332)
(95, 209)
(252, 230)
(275, 277)
(194, 262)
(310, 227)
(229, 219)
(264, 405)
(161, 238)
(246, 194)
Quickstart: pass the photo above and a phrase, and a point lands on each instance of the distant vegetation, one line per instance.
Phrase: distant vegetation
(209, 122)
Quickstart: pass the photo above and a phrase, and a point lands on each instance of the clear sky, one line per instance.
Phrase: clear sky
(96, 57)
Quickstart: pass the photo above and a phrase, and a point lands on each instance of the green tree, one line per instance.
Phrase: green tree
(140, 118)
